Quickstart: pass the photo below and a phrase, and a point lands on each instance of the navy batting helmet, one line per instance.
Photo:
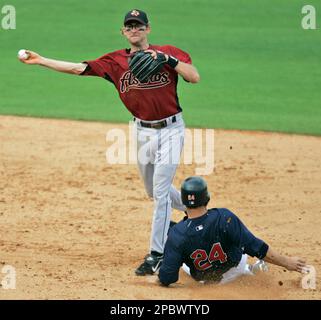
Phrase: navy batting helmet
(194, 192)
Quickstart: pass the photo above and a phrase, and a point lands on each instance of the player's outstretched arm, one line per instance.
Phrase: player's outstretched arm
(290, 263)
(57, 65)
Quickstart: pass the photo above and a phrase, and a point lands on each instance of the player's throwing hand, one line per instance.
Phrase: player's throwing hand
(33, 58)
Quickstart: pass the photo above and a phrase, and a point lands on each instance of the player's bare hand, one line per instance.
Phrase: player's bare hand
(296, 264)
(33, 58)
(154, 53)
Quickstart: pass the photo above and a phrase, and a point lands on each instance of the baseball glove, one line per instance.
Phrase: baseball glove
(143, 65)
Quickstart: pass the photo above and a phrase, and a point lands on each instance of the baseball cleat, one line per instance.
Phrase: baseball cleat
(150, 265)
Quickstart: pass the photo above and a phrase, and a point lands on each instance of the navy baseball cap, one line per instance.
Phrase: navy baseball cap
(136, 15)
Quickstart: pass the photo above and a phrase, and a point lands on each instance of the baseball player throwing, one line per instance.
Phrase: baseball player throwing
(151, 97)
(212, 245)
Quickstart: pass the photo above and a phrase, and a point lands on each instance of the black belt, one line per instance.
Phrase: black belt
(156, 125)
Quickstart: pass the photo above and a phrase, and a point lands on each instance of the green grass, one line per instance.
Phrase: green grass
(259, 69)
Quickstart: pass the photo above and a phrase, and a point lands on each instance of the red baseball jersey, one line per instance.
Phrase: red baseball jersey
(154, 100)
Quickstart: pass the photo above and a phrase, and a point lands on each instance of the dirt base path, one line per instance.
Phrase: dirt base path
(75, 227)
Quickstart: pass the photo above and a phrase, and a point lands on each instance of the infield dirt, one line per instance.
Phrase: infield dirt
(75, 227)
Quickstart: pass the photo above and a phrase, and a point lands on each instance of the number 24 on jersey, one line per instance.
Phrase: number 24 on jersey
(202, 261)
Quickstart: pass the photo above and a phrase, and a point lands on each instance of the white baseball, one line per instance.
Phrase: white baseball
(22, 54)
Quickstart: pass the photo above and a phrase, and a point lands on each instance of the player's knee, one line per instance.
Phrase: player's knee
(158, 195)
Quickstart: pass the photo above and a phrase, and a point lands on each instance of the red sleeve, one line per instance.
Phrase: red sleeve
(99, 67)
(180, 55)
